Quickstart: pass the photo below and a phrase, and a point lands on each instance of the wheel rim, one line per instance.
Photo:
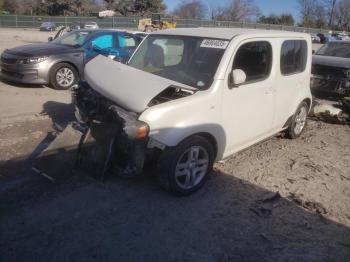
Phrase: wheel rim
(65, 77)
(300, 120)
(191, 167)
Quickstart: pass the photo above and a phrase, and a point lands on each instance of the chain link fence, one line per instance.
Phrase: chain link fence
(20, 21)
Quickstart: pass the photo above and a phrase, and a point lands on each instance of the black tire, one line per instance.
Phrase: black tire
(53, 79)
(169, 159)
(291, 132)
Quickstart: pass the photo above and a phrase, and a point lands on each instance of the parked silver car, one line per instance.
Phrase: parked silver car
(91, 25)
(60, 62)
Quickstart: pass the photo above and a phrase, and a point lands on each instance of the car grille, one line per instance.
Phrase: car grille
(12, 74)
(7, 60)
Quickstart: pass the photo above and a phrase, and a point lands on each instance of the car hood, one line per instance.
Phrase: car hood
(44, 49)
(126, 86)
(331, 61)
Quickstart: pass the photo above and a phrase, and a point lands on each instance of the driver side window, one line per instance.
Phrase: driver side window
(255, 59)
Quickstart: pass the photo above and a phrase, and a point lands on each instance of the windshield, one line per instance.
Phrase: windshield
(337, 49)
(188, 60)
(46, 24)
(72, 39)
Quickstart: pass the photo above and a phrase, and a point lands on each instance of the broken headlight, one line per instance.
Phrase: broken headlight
(136, 129)
(133, 128)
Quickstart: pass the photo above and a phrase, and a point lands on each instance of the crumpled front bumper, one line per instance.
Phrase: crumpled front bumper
(336, 85)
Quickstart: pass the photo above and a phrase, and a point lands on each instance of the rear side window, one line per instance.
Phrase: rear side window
(255, 59)
(293, 57)
(127, 41)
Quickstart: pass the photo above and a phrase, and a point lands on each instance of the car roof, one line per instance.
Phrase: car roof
(228, 33)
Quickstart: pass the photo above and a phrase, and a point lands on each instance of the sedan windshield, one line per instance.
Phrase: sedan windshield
(188, 60)
(76, 38)
(337, 49)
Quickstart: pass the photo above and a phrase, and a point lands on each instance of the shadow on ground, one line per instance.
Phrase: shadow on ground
(79, 218)
(82, 219)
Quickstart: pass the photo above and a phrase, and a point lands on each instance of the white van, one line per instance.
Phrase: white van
(190, 97)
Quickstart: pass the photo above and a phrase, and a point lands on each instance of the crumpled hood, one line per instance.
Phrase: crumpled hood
(35, 50)
(331, 61)
(128, 87)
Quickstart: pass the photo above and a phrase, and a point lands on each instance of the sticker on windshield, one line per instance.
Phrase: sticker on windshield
(214, 43)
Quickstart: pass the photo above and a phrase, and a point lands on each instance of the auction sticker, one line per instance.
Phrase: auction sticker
(214, 43)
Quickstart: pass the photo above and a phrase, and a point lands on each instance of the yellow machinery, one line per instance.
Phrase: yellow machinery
(156, 22)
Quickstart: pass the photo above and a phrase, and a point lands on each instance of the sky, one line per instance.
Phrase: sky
(267, 7)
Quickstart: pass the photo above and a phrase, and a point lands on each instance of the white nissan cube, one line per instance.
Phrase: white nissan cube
(190, 97)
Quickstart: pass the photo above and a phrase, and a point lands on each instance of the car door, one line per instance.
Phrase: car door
(293, 77)
(248, 109)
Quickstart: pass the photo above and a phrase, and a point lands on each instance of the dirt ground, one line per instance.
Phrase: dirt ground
(282, 200)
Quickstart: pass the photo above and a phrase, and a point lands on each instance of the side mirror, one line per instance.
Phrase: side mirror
(238, 77)
(50, 39)
(313, 52)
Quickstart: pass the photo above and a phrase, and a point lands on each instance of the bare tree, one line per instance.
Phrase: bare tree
(110, 4)
(330, 6)
(342, 14)
(308, 12)
(194, 9)
(10, 5)
(136, 7)
(238, 10)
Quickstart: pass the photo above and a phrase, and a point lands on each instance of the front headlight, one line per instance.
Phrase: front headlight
(32, 60)
(136, 129)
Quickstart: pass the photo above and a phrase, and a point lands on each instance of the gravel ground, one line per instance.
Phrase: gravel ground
(282, 200)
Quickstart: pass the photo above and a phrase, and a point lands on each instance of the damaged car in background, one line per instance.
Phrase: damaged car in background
(60, 62)
(190, 97)
(331, 69)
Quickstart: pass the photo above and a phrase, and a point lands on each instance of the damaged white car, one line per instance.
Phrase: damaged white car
(190, 97)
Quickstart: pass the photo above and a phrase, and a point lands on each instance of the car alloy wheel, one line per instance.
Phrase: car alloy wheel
(300, 120)
(191, 167)
(65, 77)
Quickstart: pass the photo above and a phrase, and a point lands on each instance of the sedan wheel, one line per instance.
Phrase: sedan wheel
(63, 76)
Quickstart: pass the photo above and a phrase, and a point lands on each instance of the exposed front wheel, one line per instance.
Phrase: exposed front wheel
(63, 76)
(185, 168)
(298, 122)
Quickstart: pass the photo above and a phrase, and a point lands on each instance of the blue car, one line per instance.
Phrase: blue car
(60, 62)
